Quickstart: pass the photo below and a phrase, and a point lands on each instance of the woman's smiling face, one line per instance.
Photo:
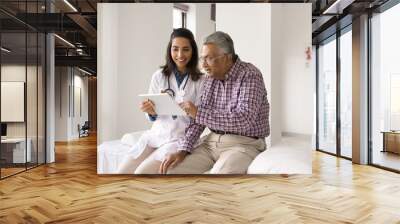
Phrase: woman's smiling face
(181, 52)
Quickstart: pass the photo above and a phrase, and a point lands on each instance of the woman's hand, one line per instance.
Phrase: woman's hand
(148, 107)
(189, 108)
(171, 160)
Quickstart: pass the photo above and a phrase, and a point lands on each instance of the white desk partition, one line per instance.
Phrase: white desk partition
(18, 149)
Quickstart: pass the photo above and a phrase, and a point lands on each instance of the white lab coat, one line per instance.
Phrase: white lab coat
(166, 131)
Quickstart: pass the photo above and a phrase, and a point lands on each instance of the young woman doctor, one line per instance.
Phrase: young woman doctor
(182, 80)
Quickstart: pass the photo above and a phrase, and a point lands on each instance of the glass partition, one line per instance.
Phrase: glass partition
(346, 93)
(327, 96)
(22, 77)
(385, 89)
(13, 95)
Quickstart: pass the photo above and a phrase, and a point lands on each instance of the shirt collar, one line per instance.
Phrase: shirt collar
(176, 72)
(233, 70)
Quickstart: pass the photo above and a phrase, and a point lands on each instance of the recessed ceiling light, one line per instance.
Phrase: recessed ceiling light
(338, 6)
(84, 71)
(5, 50)
(64, 40)
(70, 5)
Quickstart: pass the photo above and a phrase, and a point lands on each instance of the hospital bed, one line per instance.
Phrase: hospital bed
(290, 156)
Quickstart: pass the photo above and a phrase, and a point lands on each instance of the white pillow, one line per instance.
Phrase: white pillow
(131, 138)
(283, 159)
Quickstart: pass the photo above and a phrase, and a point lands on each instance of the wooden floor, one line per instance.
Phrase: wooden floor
(10, 171)
(70, 191)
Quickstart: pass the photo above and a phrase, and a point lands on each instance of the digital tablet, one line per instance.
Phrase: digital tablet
(164, 104)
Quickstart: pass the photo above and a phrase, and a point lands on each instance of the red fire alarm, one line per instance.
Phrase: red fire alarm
(308, 53)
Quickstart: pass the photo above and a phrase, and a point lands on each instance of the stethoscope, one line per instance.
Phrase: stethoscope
(171, 92)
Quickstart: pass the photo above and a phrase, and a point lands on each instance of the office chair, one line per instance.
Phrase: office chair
(84, 130)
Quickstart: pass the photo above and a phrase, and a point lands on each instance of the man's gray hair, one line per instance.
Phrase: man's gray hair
(222, 40)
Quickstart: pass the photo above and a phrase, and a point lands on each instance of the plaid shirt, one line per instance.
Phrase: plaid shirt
(236, 105)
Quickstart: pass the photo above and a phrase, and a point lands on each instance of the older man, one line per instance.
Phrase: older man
(233, 106)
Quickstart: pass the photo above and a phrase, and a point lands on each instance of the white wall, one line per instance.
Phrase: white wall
(199, 21)
(275, 42)
(131, 47)
(61, 103)
(191, 18)
(107, 64)
(291, 35)
(81, 114)
(252, 42)
(67, 79)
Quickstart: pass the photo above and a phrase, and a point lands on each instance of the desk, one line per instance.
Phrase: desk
(13, 150)
(391, 141)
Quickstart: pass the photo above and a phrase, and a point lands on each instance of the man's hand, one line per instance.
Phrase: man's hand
(148, 107)
(189, 108)
(171, 160)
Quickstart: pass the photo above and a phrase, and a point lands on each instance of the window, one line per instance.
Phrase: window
(327, 96)
(335, 94)
(385, 86)
(346, 93)
(395, 102)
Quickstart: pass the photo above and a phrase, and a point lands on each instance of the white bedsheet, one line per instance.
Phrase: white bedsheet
(109, 155)
(291, 156)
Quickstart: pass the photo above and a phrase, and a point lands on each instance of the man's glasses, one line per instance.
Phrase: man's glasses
(209, 60)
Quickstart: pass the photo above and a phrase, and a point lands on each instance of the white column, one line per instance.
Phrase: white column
(50, 99)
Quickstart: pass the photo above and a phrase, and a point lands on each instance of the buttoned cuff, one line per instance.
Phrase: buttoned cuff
(184, 145)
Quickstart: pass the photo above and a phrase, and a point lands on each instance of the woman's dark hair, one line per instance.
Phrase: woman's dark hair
(170, 65)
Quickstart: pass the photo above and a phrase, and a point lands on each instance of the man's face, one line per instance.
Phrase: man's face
(213, 61)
